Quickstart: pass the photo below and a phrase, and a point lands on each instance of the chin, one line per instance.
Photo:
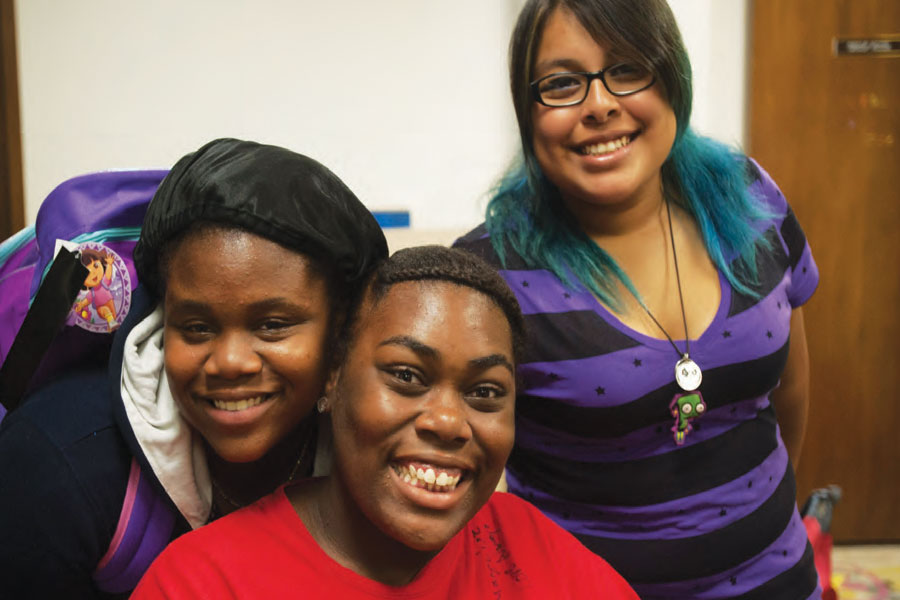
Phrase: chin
(428, 534)
(428, 541)
(238, 452)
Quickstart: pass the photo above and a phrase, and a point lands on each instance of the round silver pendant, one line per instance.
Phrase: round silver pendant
(688, 374)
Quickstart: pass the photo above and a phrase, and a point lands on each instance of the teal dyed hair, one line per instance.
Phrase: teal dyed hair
(704, 177)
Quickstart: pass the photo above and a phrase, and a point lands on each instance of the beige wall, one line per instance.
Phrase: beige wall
(406, 100)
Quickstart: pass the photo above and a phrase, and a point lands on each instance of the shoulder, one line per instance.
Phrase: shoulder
(67, 425)
(63, 471)
(231, 536)
(481, 243)
(545, 554)
(233, 556)
(65, 434)
(787, 240)
(478, 242)
(67, 409)
(520, 517)
(522, 523)
(764, 189)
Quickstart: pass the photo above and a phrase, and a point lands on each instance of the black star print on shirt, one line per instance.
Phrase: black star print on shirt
(600, 390)
(524, 284)
(637, 362)
(769, 334)
(726, 334)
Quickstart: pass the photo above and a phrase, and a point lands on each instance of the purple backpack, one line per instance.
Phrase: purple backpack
(65, 286)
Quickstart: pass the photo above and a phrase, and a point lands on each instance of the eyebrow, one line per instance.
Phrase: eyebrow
(411, 343)
(570, 64)
(566, 63)
(482, 363)
(268, 304)
(492, 360)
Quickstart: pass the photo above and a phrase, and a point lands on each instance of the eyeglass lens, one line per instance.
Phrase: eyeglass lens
(571, 88)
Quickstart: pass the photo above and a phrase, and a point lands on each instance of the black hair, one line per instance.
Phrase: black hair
(437, 264)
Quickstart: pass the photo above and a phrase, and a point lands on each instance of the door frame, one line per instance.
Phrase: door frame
(12, 200)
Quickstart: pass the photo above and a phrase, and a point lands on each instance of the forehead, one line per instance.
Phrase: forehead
(440, 314)
(219, 257)
(564, 37)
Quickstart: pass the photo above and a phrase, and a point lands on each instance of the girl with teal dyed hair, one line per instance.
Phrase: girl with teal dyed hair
(662, 276)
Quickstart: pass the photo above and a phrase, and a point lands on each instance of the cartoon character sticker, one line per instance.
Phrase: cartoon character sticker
(105, 296)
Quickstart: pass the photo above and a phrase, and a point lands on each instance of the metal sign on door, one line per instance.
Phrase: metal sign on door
(879, 46)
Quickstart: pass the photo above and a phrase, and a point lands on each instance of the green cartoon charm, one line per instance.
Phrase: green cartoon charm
(684, 408)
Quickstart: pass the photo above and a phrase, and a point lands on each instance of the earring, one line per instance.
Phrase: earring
(322, 404)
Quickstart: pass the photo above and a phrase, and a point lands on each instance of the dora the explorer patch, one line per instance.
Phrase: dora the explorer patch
(105, 295)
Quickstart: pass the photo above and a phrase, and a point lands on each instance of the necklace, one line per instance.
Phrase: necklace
(216, 512)
(688, 404)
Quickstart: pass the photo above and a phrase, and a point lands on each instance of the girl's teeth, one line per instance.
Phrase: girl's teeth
(428, 478)
(605, 147)
(236, 405)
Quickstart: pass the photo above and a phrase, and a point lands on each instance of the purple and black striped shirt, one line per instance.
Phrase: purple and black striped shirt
(713, 518)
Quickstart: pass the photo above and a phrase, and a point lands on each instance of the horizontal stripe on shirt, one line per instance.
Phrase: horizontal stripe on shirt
(685, 471)
(643, 561)
(721, 386)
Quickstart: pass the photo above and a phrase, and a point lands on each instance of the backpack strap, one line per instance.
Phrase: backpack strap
(145, 527)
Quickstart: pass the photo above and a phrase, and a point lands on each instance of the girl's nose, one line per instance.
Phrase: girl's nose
(444, 417)
(600, 104)
(232, 356)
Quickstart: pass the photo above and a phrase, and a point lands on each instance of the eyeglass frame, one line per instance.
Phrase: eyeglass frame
(591, 76)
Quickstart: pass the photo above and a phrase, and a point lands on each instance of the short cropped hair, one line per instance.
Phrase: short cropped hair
(437, 264)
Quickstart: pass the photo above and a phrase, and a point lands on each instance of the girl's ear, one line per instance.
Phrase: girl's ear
(331, 383)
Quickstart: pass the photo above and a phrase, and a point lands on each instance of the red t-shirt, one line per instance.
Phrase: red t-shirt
(509, 550)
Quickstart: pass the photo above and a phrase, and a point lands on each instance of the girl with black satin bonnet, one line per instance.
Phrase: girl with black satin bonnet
(663, 275)
(248, 259)
(421, 407)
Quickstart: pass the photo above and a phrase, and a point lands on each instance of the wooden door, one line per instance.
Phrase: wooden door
(827, 128)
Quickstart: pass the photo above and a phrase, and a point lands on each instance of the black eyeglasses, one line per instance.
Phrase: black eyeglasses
(571, 88)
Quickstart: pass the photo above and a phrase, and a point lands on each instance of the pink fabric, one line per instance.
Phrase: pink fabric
(134, 478)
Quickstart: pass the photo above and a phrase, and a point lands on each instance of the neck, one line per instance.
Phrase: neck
(611, 220)
(239, 484)
(346, 535)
